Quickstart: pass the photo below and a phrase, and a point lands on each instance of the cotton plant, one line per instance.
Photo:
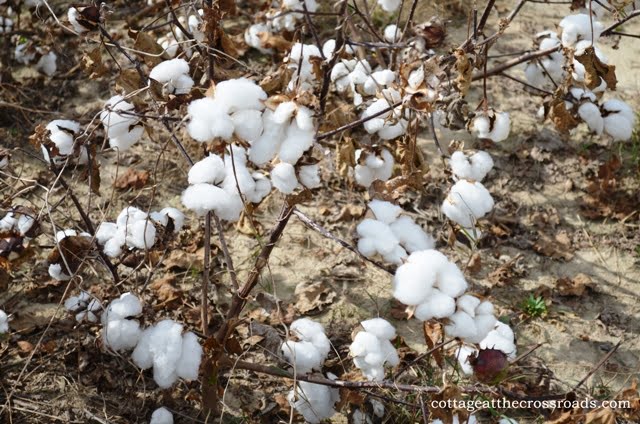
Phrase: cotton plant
(373, 166)
(17, 221)
(372, 350)
(348, 75)
(135, 229)
(59, 271)
(390, 234)
(500, 338)
(253, 39)
(214, 184)
(315, 402)
(550, 68)
(173, 75)
(466, 202)
(311, 349)
(85, 307)
(386, 125)
(473, 168)
(122, 126)
(613, 117)
(235, 108)
(62, 135)
(287, 132)
(492, 125)
(161, 416)
(172, 353)
(579, 27)
(300, 62)
(286, 180)
(119, 330)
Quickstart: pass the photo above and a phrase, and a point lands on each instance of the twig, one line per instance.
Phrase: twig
(598, 366)
(420, 357)
(204, 305)
(516, 61)
(354, 124)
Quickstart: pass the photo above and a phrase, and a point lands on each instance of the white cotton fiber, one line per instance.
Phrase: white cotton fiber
(315, 402)
(450, 279)
(467, 202)
(189, 363)
(4, 322)
(462, 326)
(309, 176)
(374, 168)
(47, 63)
(372, 350)
(121, 334)
(389, 5)
(163, 216)
(142, 236)
(437, 305)
(500, 338)
(411, 235)
(56, 272)
(240, 94)
(202, 198)
(384, 211)
(161, 416)
(378, 80)
(303, 356)
(498, 130)
(283, 177)
(73, 14)
(295, 143)
(174, 75)
(468, 303)
(590, 114)
(128, 139)
(284, 112)
(127, 305)
(25, 223)
(208, 170)
(413, 282)
(247, 124)
(208, 120)
(114, 119)
(391, 33)
(462, 355)
(620, 120)
(380, 328)
(579, 27)
(383, 238)
(474, 168)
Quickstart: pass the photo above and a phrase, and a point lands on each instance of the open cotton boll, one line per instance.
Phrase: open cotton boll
(240, 94)
(299, 62)
(389, 5)
(620, 120)
(411, 236)
(374, 168)
(189, 362)
(122, 334)
(590, 114)
(468, 304)
(252, 36)
(203, 198)
(127, 305)
(467, 202)
(474, 168)
(173, 74)
(267, 145)
(8, 222)
(384, 239)
(497, 132)
(143, 235)
(4, 322)
(438, 305)
(295, 143)
(462, 355)
(380, 328)
(129, 215)
(128, 139)
(309, 176)
(303, 356)
(484, 324)
(62, 234)
(371, 353)
(208, 170)
(378, 80)
(579, 27)
(392, 33)
(24, 224)
(209, 119)
(315, 402)
(462, 326)
(73, 14)
(500, 338)
(247, 124)
(451, 280)
(56, 272)
(161, 416)
(283, 177)
(384, 211)
(163, 218)
(113, 246)
(413, 282)
(47, 64)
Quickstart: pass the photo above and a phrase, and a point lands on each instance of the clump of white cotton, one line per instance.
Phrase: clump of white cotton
(84, 306)
(547, 69)
(284, 178)
(580, 27)
(371, 349)
(173, 75)
(75, 19)
(473, 168)
(315, 402)
(391, 235)
(389, 5)
(220, 185)
(591, 115)
(392, 33)
(472, 321)
(62, 134)
(289, 14)
(20, 222)
(119, 332)
(492, 125)
(236, 107)
(387, 125)
(122, 126)
(372, 167)
(161, 416)
(349, 75)
(253, 39)
(172, 354)
(300, 62)
(4, 322)
(309, 176)
(467, 202)
(500, 337)
(47, 63)
(619, 119)
(311, 349)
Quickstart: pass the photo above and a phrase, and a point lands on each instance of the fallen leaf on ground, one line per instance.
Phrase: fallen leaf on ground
(558, 247)
(313, 297)
(575, 286)
(132, 179)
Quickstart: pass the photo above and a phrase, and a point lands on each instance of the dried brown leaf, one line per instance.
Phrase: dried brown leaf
(132, 179)
(313, 297)
(595, 70)
(433, 332)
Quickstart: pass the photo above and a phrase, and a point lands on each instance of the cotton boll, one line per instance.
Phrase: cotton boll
(396, 256)
(467, 202)
(166, 347)
(121, 334)
(174, 75)
(176, 216)
(413, 282)
(579, 27)
(306, 328)
(113, 246)
(304, 119)
(189, 362)
(618, 127)
(411, 235)
(202, 198)
(127, 305)
(590, 114)
(247, 124)
(252, 36)
(461, 325)
(364, 175)
(384, 239)
(128, 139)
(267, 145)
(314, 402)
(484, 324)
(364, 342)
(262, 188)
(283, 177)
(309, 176)
(378, 79)
(24, 224)
(462, 355)
(73, 15)
(284, 112)
(129, 215)
(392, 33)
(143, 235)
(208, 170)
(438, 305)
(142, 355)
(4, 322)
(47, 64)
(56, 272)
(468, 304)
(161, 416)
(240, 94)
(296, 142)
(209, 119)
(304, 356)
(485, 308)
(389, 5)
(385, 211)
(451, 280)
(380, 328)
(367, 246)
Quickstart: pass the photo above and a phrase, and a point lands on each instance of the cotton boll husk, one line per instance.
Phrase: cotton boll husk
(309, 176)
(412, 282)
(304, 356)
(283, 177)
(590, 114)
(105, 231)
(202, 198)
(618, 126)
(161, 416)
(364, 342)
(468, 304)
(450, 280)
(380, 328)
(143, 235)
(189, 362)
(247, 124)
(240, 94)
(128, 139)
(122, 334)
(411, 235)
(384, 239)
(467, 202)
(391, 33)
(462, 354)
(462, 326)
(384, 211)
(296, 142)
(56, 272)
(438, 305)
